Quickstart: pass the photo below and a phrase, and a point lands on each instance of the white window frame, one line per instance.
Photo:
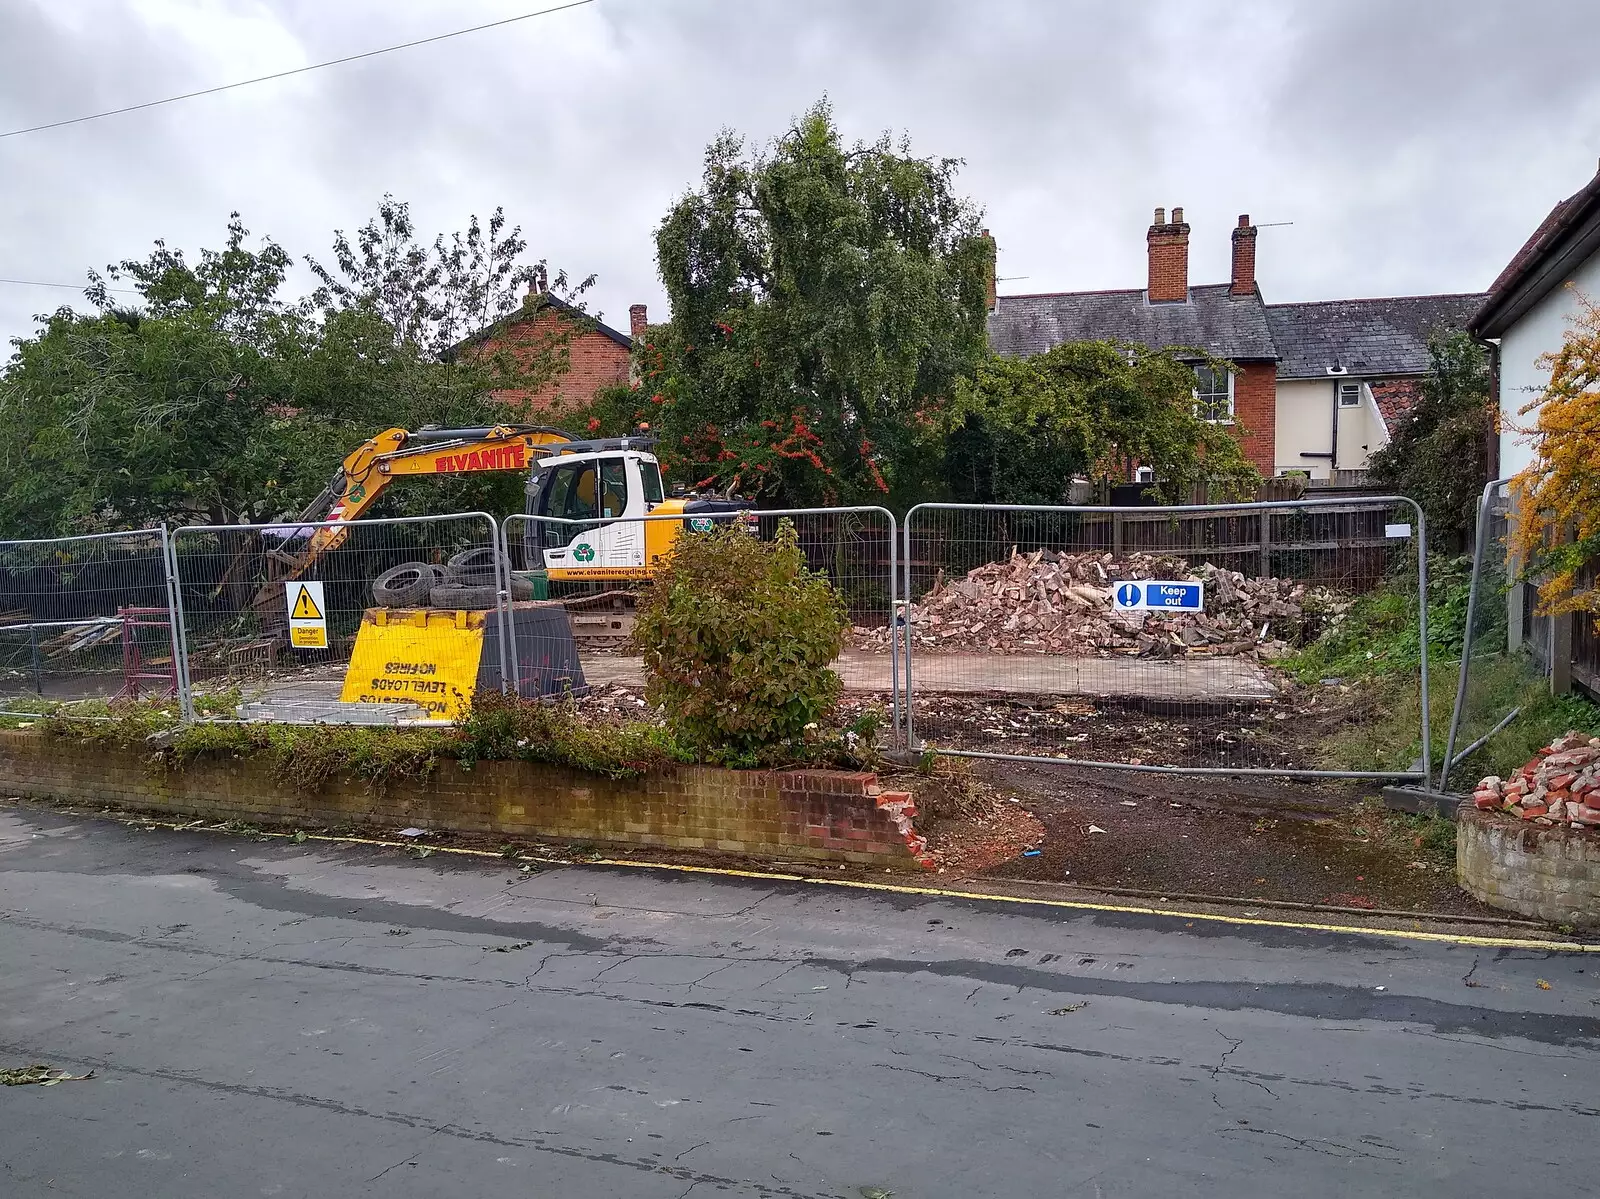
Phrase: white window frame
(1358, 390)
(1198, 406)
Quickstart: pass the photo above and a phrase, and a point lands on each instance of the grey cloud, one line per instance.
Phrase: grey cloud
(1413, 144)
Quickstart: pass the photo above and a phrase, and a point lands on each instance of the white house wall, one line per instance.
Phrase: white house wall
(1305, 425)
(1540, 331)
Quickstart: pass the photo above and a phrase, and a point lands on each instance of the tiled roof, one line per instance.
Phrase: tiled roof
(1211, 320)
(1366, 337)
(1568, 232)
(1395, 398)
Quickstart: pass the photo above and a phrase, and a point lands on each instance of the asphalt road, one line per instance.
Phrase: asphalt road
(273, 1019)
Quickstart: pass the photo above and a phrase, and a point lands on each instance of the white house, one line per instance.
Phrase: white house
(1529, 305)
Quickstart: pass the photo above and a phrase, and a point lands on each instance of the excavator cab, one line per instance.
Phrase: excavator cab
(587, 498)
(588, 503)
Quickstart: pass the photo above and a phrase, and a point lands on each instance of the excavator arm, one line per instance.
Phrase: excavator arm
(394, 453)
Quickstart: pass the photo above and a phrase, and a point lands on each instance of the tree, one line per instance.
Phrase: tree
(1557, 533)
(824, 299)
(738, 636)
(1021, 429)
(1439, 454)
(218, 399)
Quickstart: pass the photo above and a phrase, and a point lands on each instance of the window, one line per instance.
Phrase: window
(613, 487)
(569, 495)
(1349, 395)
(1213, 393)
(650, 472)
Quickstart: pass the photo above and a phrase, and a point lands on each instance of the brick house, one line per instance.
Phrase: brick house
(1300, 368)
(598, 356)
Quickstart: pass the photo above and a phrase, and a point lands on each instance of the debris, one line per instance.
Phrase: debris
(1543, 986)
(39, 1074)
(1095, 828)
(1052, 602)
(1130, 803)
(1031, 853)
(1560, 785)
(1069, 1009)
(510, 948)
(875, 1193)
(412, 832)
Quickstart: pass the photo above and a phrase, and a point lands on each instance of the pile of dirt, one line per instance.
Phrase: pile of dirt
(1050, 602)
(1560, 786)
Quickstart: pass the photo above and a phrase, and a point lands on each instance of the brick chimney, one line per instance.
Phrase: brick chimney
(1244, 258)
(636, 321)
(990, 271)
(1169, 258)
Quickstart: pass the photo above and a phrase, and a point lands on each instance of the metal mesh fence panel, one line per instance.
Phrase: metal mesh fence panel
(598, 571)
(372, 622)
(1504, 651)
(1031, 632)
(86, 618)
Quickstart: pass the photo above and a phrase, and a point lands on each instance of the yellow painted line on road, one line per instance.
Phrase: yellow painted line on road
(1074, 905)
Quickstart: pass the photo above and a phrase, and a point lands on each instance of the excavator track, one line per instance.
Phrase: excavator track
(603, 621)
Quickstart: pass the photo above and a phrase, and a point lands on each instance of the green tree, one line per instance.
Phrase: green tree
(218, 398)
(825, 299)
(1021, 429)
(1440, 453)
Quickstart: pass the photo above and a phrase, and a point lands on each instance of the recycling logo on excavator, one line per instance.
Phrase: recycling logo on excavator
(583, 552)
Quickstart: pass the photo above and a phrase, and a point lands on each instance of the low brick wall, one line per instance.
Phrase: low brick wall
(818, 815)
(1548, 873)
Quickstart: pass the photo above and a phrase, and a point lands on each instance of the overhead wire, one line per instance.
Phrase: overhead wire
(127, 291)
(316, 66)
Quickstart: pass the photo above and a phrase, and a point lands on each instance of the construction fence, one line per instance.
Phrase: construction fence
(1031, 632)
(998, 631)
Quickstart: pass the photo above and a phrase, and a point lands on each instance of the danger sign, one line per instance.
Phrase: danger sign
(308, 620)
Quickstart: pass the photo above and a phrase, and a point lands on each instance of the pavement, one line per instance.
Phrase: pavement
(1230, 679)
(266, 1018)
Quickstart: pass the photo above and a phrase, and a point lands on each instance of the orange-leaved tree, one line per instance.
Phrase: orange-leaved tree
(1558, 530)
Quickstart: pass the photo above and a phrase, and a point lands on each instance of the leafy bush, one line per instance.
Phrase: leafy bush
(737, 636)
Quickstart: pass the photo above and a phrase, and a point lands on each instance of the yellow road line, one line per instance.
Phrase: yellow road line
(1076, 905)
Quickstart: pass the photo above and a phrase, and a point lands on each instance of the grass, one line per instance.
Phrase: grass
(1374, 654)
(1385, 731)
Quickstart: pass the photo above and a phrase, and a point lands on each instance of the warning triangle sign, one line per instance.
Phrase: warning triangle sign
(305, 608)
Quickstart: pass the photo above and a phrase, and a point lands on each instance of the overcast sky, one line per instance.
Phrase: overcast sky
(1414, 144)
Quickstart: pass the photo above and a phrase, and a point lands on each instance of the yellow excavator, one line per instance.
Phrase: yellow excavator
(601, 486)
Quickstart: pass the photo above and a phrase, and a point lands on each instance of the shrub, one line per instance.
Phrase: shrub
(737, 636)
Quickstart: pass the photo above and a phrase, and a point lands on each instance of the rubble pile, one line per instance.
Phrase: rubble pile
(1060, 603)
(1560, 786)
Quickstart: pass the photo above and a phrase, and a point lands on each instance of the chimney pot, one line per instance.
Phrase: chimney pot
(1244, 220)
(1161, 216)
(637, 321)
(1177, 216)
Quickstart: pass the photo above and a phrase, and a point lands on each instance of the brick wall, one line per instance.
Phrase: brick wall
(593, 360)
(1255, 407)
(820, 815)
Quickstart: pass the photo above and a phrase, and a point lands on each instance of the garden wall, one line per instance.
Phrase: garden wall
(1548, 873)
(816, 815)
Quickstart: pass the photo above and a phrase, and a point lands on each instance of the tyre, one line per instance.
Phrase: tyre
(472, 567)
(522, 589)
(406, 585)
(465, 597)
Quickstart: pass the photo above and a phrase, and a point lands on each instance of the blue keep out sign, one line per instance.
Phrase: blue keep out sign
(1157, 595)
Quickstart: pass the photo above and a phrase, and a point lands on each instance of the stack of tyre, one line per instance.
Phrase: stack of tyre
(469, 581)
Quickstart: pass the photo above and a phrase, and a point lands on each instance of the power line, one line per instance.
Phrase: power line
(127, 291)
(316, 66)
